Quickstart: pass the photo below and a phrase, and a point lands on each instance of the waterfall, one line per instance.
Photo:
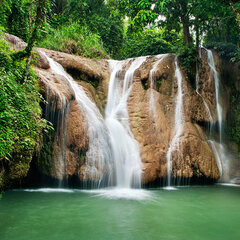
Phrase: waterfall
(204, 102)
(218, 151)
(99, 154)
(212, 143)
(217, 155)
(126, 152)
(113, 152)
(56, 112)
(152, 76)
(213, 71)
(178, 122)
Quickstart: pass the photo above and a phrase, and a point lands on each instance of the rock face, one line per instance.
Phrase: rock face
(64, 150)
(69, 144)
(153, 132)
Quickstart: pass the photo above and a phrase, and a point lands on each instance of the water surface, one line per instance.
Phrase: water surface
(186, 213)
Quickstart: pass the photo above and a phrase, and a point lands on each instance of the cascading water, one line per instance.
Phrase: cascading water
(218, 149)
(213, 71)
(152, 76)
(212, 143)
(113, 151)
(220, 152)
(58, 116)
(197, 91)
(99, 154)
(217, 156)
(126, 153)
(178, 123)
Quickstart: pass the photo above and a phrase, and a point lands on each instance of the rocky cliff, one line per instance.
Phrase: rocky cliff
(63, 155)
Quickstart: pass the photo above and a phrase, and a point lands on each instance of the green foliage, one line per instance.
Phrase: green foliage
(217, 22)
(5, 10)
(229, 51)
(95, 15)
(148, 42)
(13, 14)
(188, 59)
(223, 26)
(20, 112)
(233, 128)
(45, 156)
(75, 39)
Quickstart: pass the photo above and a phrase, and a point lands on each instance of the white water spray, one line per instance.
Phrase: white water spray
(58, 116)
(152, 76)
(212, 66)
(197, 91)
(99, 155)
(178, 123)
(126, 152)
(218, 149)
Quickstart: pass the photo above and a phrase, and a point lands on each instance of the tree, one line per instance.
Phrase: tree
(100, 18)
(5, 9)
(235, 7)
(180, 15)
(166, 13)
(38, 21)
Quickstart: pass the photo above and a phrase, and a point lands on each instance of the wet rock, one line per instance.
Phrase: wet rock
(152, 127)
(154, 131)
(16, 42)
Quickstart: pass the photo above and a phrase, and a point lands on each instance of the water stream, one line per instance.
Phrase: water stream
(152, 77)
(213, 71)
(113, 153)
(56, 112)
(197, 91)
(218, 148)
(126, 152)
(113, 157)
(99, 154)
(178, 123)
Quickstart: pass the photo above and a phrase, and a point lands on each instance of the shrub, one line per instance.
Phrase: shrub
(75, 39)
(20, 114)
(227, 50)
(149, 42)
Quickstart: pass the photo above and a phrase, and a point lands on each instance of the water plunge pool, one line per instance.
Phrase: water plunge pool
(201, 212)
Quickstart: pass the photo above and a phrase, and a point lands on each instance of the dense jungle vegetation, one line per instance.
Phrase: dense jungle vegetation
(100, 29)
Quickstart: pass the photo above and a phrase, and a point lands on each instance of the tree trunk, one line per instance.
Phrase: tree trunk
(30, 17)
(41, 4)
(234, 9)
(39, 18)
(237, 14)
(186, 32)
(184, 17)
(197, 33)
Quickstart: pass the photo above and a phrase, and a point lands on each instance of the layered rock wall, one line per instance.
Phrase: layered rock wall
(68, 145)
(153, 132)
